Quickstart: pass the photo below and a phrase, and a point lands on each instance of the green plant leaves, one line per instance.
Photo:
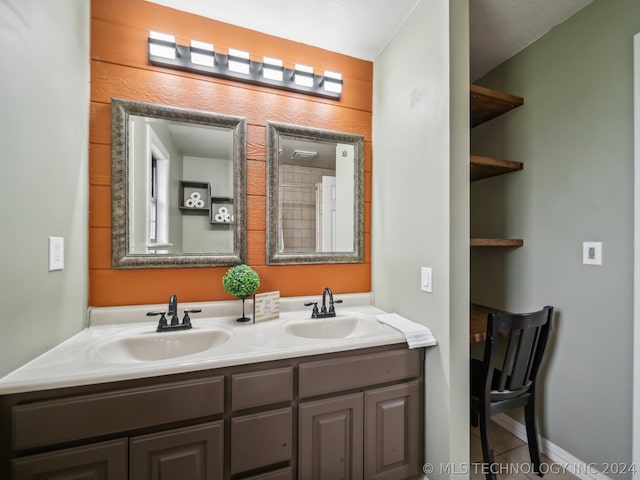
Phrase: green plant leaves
(240, 281)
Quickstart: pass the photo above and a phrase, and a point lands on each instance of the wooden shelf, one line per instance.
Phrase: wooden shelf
(484, 167)
(487, 104)
(497, 242)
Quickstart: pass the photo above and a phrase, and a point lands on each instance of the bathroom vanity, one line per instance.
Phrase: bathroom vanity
(274, 401)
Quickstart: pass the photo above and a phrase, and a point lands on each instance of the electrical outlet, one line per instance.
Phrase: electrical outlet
(426, 280)
(56, 253)
(592, 253)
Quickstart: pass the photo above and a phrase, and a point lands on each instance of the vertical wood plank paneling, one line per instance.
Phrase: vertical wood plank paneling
(120, 69)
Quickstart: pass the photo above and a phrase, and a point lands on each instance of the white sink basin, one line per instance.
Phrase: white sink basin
(336, 327)
(149, 347)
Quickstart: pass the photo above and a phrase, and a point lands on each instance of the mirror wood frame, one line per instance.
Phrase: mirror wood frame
(273, 257)
(121, 257)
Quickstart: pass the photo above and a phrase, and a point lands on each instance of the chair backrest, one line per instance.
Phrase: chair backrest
(513, 372)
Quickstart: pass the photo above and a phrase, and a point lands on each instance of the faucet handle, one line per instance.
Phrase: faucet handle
(163, 320)
(187, 319)
(315, 308)
(331, 307)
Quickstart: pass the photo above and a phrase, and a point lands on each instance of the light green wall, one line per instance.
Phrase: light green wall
(420, 208)
(574, 135)
(459, 234)
(44, 92)
(198, 234)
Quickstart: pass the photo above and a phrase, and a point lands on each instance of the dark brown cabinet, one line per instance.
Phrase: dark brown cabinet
(331, 438)
(374, 433)
(101, 461)
(392, 432)
(261, 439)
(195, 453)
(352, 415)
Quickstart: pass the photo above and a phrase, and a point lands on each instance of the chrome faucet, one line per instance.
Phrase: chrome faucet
(324, 312)
(172, 312)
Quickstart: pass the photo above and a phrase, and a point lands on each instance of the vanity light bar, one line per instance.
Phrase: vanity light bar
(202, 58)
(201, 53)
(239, 61)
(162, 45)
(273, 69)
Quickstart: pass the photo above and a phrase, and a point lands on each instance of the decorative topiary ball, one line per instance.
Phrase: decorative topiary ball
(241, 281)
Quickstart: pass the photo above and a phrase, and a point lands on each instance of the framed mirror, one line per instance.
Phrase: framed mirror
(315, 195)
(178, 188)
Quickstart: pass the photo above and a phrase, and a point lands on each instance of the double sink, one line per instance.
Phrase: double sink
(145, 346)
(120, 344)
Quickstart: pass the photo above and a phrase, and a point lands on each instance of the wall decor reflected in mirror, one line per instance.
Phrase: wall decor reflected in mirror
(178, 188)
(315, 195)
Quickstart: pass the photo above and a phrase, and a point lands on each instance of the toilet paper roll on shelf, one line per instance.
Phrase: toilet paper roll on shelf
(194, 201)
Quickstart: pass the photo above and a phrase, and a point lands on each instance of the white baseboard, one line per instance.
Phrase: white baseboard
(573, 465)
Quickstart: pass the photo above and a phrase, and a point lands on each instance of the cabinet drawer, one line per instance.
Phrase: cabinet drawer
(256, 389)
(85, 416)
(261, 439)
(326, 376)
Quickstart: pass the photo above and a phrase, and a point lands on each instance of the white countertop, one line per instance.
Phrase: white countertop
(86, 359)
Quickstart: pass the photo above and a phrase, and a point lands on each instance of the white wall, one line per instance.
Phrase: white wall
(420, 205)
(44, 92)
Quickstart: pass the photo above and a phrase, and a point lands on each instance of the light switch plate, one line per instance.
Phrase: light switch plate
(592, 253)
(426, 280)
(56, 253)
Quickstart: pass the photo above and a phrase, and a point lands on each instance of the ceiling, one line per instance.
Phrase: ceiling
(361, 28)
(498, 29)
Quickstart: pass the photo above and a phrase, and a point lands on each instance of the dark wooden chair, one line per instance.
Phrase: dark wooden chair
(506, 379)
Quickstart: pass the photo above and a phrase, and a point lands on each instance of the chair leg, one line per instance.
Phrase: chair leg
(487, 445)
(474, 418)
(532, 436)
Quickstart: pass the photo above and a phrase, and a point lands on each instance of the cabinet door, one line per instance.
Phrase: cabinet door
(392, 432)
(100, 461)
(195, 453)
(330, 439)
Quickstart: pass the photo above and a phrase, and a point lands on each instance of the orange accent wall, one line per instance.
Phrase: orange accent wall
(120, 68)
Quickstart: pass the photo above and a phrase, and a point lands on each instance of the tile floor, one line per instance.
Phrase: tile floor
(512, 455)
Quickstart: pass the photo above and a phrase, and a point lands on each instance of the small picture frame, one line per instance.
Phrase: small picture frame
(221, 211)
(266, 306)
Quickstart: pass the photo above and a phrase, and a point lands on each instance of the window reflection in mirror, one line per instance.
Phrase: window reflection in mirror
(315, 195)
(171, 169)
